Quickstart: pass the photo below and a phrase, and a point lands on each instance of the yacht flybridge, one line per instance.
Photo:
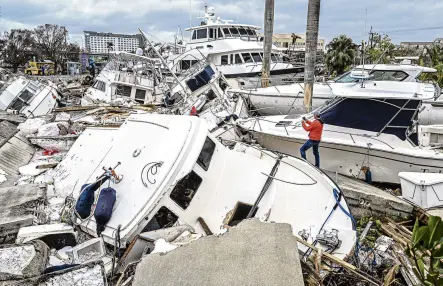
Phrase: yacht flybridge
(187, 177)
(235, 49)
(375, 131)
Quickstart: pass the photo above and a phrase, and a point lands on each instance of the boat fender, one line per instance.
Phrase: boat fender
(103, 209)
(86, 198)
(85, 201)
(368, 176)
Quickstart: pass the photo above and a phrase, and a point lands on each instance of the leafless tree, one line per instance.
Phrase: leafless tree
(18, 44)
(51, 40)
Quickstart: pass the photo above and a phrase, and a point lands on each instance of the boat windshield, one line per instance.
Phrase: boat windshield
(382, 115)
(379, 75)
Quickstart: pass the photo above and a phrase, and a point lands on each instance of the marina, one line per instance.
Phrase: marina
(220, 158)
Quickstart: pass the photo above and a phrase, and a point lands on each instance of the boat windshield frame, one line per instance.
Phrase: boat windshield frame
(400, 105)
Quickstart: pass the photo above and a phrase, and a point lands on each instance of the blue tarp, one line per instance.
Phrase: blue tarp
(372, 115)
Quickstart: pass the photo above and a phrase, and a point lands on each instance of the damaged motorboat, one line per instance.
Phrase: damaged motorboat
(167, 170)
(28, 96)
(127, 76)
(371, 136)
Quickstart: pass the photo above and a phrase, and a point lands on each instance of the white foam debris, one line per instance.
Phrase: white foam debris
(31, 169)
(2, 176)
(81, 277)
(55, 205)
(14, 259)
(31, 125)
(24, 180)
(90, 255)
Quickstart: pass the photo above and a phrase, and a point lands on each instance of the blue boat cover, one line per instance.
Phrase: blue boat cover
(103, 210)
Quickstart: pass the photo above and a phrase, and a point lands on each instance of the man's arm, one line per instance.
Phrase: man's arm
(306, 125)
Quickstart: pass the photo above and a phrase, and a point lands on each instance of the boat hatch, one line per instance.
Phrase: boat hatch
(283, 123)
(241, 212)
(201, 79)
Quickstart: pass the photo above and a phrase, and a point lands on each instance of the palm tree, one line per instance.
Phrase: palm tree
(340, 55)
(311, 50)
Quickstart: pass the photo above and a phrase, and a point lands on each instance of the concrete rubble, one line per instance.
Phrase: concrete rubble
(252, 253)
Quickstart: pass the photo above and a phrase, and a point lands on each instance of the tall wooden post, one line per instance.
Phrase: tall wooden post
(269, 29)
(311, 50)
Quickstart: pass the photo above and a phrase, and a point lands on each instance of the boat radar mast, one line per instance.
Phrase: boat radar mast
(210, 17)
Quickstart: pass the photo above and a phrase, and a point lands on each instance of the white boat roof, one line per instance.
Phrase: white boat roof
(396, 67)
(131, 56)
(223, 25)
(426, 179)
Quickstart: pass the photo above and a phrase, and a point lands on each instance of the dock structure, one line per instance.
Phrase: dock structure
(368, 201)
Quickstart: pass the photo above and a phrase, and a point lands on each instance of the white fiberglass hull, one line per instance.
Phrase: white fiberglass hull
(348, 160)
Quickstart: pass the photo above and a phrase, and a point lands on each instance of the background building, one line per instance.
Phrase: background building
(295, 42)
(98, 43)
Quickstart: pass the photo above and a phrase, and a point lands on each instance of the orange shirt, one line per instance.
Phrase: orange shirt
(315, 129)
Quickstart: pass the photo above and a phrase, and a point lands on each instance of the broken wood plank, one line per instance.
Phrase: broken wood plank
(351, 268)
(47, 166)
(389, 231)
(64, 137)
(205, 226)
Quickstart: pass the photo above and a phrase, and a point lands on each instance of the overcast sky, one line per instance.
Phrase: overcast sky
(403, 20)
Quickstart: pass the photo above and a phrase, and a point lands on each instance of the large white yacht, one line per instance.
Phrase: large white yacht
(288, 99)
(235, 49)
(187, 177)
(375, 131)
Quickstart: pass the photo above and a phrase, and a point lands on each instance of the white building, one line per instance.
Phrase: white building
(98, 43)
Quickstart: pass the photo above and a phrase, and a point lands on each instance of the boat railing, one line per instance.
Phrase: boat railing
(276, 155)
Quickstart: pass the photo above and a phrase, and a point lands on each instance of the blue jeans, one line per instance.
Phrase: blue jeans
(314, 144)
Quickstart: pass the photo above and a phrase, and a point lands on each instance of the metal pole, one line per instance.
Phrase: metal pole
(269, 28)
(163, 61)
(311, 50)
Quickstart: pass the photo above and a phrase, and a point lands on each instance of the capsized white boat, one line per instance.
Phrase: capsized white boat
(27, 96)
(130, 77)
(174, 172)
(362, 130)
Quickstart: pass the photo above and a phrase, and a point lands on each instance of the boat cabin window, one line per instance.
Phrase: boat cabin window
(26, 95)
(250, 32)
(231, 59)
(204, 159)
(18, 104)
(242, 31)
(211, 34)
(241, 211)
(201, 79)
(186, 64)
(274, 58)
(99, 85)
(234, 31)
(123, 90)
(256, 57)
(219, 33)
(202, 34)
(194, 35)
(164, 218)
(186, 189)
(345, 78)
(224, 60)
(140, 95)
(238, 59)
(226, 31)
(388, 75)
(247, 58)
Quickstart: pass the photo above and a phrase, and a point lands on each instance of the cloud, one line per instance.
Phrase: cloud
(162, 18)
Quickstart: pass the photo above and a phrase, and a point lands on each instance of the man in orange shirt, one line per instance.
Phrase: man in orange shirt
(315, 129)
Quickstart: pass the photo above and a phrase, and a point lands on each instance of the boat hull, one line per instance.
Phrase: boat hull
(348, 160)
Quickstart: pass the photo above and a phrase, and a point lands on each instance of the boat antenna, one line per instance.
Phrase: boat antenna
(364, 46)
(163, 61)
(190, 13)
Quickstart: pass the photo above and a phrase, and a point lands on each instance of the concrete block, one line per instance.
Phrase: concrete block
(252, 253)
(54, 235)
(23, 260)
(365, 200)
(19, 207)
